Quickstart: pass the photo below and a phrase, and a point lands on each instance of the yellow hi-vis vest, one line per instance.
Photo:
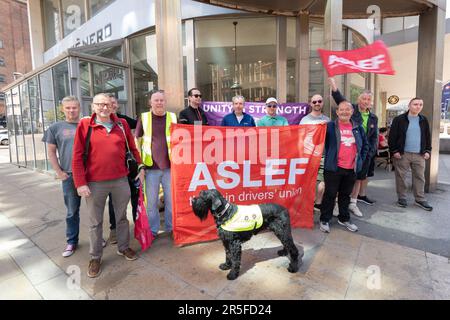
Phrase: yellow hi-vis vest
(246, 218)
(146, 152)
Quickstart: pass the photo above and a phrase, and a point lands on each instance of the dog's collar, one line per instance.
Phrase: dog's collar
(223, 211)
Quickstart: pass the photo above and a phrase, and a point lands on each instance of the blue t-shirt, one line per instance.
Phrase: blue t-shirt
(412, 143)
(230, 120)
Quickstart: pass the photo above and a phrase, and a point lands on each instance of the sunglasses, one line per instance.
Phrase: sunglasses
(197, 95)
(271, 106)
(316, 102)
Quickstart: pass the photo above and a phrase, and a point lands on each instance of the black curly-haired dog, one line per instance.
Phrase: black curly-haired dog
(274, 217)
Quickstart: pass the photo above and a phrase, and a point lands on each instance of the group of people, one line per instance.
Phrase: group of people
(80, 152)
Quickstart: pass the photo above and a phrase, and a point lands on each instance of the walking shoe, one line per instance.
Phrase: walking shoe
(402, 203)
(424, 205)
(365, 200)
(353, 208)
(317, 207)
(103, 243)
(350, 226)
(128, 253)
(112, 236)
(324, 227)
(336, 210)
(94, 268)
(70, 249)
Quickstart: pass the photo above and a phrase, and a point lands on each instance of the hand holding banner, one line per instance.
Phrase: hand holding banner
(373, 58)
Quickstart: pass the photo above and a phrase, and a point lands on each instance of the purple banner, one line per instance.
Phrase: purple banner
(215, 111)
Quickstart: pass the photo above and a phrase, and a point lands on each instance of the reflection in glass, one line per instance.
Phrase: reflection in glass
(113, 53)
(21, 158)
(48, 102)
(51, 22)
(61, 86)
(256, 58)
(73, 15)
(27, 124)
(85, 79)
(109, 79)
(37, 124)
(11, 127)
(98, 5)
(145, 69)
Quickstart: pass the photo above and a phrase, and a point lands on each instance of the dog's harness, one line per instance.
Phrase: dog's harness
(246, 218)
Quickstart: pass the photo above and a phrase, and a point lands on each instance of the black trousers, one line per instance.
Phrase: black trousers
(337, 183)
(134, 201)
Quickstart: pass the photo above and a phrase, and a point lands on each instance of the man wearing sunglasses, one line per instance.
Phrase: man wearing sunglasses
(272, 119)
(193, 114)
(315, 117)
(369, 121)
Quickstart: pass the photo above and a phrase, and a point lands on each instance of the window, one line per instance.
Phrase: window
(52, 22)
(2, 78)
(73, 15)
(98, 5)
(2, 62)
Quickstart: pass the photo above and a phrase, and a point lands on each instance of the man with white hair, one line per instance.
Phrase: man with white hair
(369, 122)
(238, 118)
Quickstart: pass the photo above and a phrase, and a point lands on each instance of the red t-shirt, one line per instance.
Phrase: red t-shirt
(347, 149)
(381, 141)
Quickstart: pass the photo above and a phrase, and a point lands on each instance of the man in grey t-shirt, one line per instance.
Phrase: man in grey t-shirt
(315, 117)
(60, 138)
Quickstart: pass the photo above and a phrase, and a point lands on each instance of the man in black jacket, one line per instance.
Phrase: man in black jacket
(369, 121)
(193, 114)
(410, 145)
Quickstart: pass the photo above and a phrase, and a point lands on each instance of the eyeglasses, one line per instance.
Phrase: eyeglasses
(316, 102)
(102, 105)
(196, 95)
(271, 106)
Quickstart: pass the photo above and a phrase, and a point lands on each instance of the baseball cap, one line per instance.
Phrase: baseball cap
(271, 100)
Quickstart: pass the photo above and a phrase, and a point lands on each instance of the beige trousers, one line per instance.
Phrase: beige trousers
(416, 163)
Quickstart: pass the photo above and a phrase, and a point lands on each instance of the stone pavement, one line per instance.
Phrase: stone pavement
(339, 265)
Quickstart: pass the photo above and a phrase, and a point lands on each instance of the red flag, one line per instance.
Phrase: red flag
(142, 231)
(373, 58)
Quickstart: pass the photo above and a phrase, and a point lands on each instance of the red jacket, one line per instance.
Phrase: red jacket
(106, 154)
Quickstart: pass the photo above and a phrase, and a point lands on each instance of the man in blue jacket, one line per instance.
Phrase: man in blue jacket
(238, 118)
(362, 116)
(345, 150)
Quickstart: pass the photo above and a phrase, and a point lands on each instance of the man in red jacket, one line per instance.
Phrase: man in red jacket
(104, 171)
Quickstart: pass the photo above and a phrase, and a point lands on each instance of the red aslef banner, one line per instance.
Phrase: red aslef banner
(373, 58)
(248, 166)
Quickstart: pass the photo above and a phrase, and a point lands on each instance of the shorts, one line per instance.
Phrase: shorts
(367, 170)
(320, 176)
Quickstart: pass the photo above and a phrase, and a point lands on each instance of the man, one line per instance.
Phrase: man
(410, 146)
(60, 137)
(345, 148)
(100, 169)
(133, 188)
(272, 119)
(316, 117)
(238, 118)
(369, 121)
(153, 134)
(194, 114)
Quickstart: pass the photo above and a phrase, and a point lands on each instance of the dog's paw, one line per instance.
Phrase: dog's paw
(225, 266)
(232, 275)
(293, 268)
(282, 252)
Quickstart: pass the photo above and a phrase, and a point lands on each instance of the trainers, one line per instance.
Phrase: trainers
(112, 236)
(70, 249)
(129, 254)
(336, 210)
(353, 208)
(94, 268)
(324, 227)
(103, 243)
(350, 226)
(317, 207)
(402, 203)
(424, 205)
(365, 200)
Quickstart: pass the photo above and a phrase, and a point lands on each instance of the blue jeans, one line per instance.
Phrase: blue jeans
(72, 201)
(153, 178)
